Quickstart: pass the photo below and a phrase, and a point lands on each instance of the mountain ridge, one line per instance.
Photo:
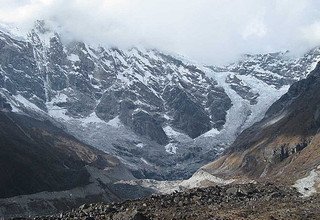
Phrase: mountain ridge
(158, 112)
(283, 147)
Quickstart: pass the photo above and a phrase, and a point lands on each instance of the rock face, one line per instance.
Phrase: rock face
(284, 146)
(160, 114)
(4, 105)
(263, 201)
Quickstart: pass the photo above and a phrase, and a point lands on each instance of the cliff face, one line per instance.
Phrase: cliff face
(285, 145)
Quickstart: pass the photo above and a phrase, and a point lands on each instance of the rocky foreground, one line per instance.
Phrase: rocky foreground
(252, 201)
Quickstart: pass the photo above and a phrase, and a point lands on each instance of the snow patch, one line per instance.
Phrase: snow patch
(26, 103)
(73, 57)
(212, 133)
(140, 145)
(115, 122)
(13, 32)
(176, 136)
(170, 132)
(56, 111)
(145, 161)
(171, 148)
(307, 186)
(274, 120)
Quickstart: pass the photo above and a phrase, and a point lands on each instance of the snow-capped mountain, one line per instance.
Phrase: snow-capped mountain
(160, 114)
(283, 147)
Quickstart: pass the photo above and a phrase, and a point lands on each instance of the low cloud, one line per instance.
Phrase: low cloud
(210, 31)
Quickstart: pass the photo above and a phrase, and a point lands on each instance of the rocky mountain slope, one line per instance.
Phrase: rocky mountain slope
(237, 202)
(161, 115)
(45, 170)
(284, 146)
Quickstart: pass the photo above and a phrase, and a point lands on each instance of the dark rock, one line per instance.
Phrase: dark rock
(139, 216)
(188, 115)
(145, 124)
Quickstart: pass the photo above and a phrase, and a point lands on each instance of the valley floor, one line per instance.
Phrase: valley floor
(250, 201)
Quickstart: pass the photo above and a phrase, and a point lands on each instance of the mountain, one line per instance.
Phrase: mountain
(44, 170)
(162, 115)
(284, 146)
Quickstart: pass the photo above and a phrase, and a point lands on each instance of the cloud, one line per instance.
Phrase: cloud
(311, 33)
(210, 31)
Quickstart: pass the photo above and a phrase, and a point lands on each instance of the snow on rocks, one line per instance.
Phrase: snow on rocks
(114, 122)
(171, 148)
(307, 186)
(73, 57)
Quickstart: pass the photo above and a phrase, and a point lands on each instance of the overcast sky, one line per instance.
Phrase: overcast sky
(209, 31)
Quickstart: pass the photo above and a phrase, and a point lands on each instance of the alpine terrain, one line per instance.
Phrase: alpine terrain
(82, 123)
(284, 146)
(162, 115)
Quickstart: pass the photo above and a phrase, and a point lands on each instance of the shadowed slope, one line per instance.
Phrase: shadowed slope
(37, 156)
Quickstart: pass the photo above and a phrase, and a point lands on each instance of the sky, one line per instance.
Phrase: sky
(208, 31)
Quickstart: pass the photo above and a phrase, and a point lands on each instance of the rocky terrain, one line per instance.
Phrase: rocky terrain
(252, 201)
(43, 169)
(70, 106)
(284, 146)
(162, 115)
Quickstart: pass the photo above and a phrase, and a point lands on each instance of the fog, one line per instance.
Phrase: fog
(209, 31)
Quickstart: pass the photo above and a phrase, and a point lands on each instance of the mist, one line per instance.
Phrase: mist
(208, 31)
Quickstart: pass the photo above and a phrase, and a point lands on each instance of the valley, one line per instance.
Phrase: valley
(87, 125)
